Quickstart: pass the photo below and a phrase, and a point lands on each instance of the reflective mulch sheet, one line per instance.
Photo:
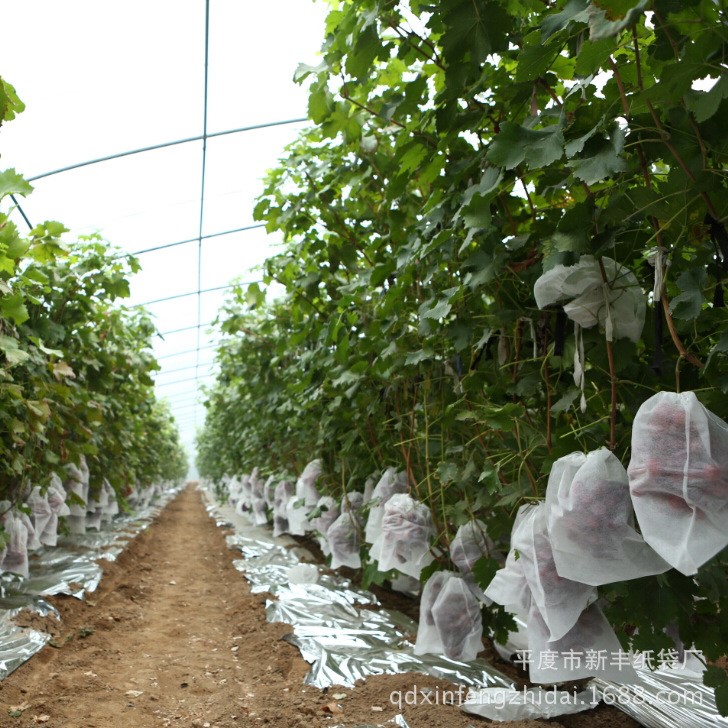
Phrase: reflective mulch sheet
(340, 629)
(664, 699)
(343, 636)
(69, 568)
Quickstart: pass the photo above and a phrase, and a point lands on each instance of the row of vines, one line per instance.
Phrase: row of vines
(76, 371)
(504, 231)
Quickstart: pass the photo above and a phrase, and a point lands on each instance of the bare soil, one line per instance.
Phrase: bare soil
(173, 637)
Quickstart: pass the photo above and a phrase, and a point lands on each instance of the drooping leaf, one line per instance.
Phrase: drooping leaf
(606, 162)
(607, 18)
(12, 183)
(515, 144)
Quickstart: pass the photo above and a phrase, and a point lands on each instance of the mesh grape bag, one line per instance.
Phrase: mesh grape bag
(450, 621)
(678, 479)
(618, 306)
(329, 512)
(406, 534)
(390, 483)
(591, 522)
(344, 541)
(560, 601)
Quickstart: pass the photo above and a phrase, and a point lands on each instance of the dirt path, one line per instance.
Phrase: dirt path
(173, 637)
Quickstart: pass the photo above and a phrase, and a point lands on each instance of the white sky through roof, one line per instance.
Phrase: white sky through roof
(101, 78)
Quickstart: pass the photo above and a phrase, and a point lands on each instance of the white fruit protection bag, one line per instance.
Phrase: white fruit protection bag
(678, 478)
(57, 500)
(112, 506)
(246, 494)
(470, 544)
(583, 629)
(406, 534)
(41, 513)
(296, 510)
(619, 305)
(260, 512)
(353, 501)
(283, 492)
(390, 483)
(560, 601)
(269, 491)
(329, 512)
(450, 621)
(75, 484)
(509, 586)
(306, 483)
(591, 522)
(344, 541)
(589, 649)
(15, 559)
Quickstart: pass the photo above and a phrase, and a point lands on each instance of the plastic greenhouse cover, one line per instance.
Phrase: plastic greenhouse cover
(344, 642)
(69, 568)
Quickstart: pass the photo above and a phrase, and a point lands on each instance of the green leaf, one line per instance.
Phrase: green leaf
(534, 60)
(689, 303)
(415, 357)
(14, 308)
(359, 61)
(593, 56)
(320, 104)
(608, 18)
(605, 163)
(437, 311)
(514, 144)
(704, 104)
(715, 677)
(484, 569)
(304, 70)
(475, 210)
(10, 104)
(564, 403)
(11, 348)
(473, 30)
(12, 183)
(575, 11)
